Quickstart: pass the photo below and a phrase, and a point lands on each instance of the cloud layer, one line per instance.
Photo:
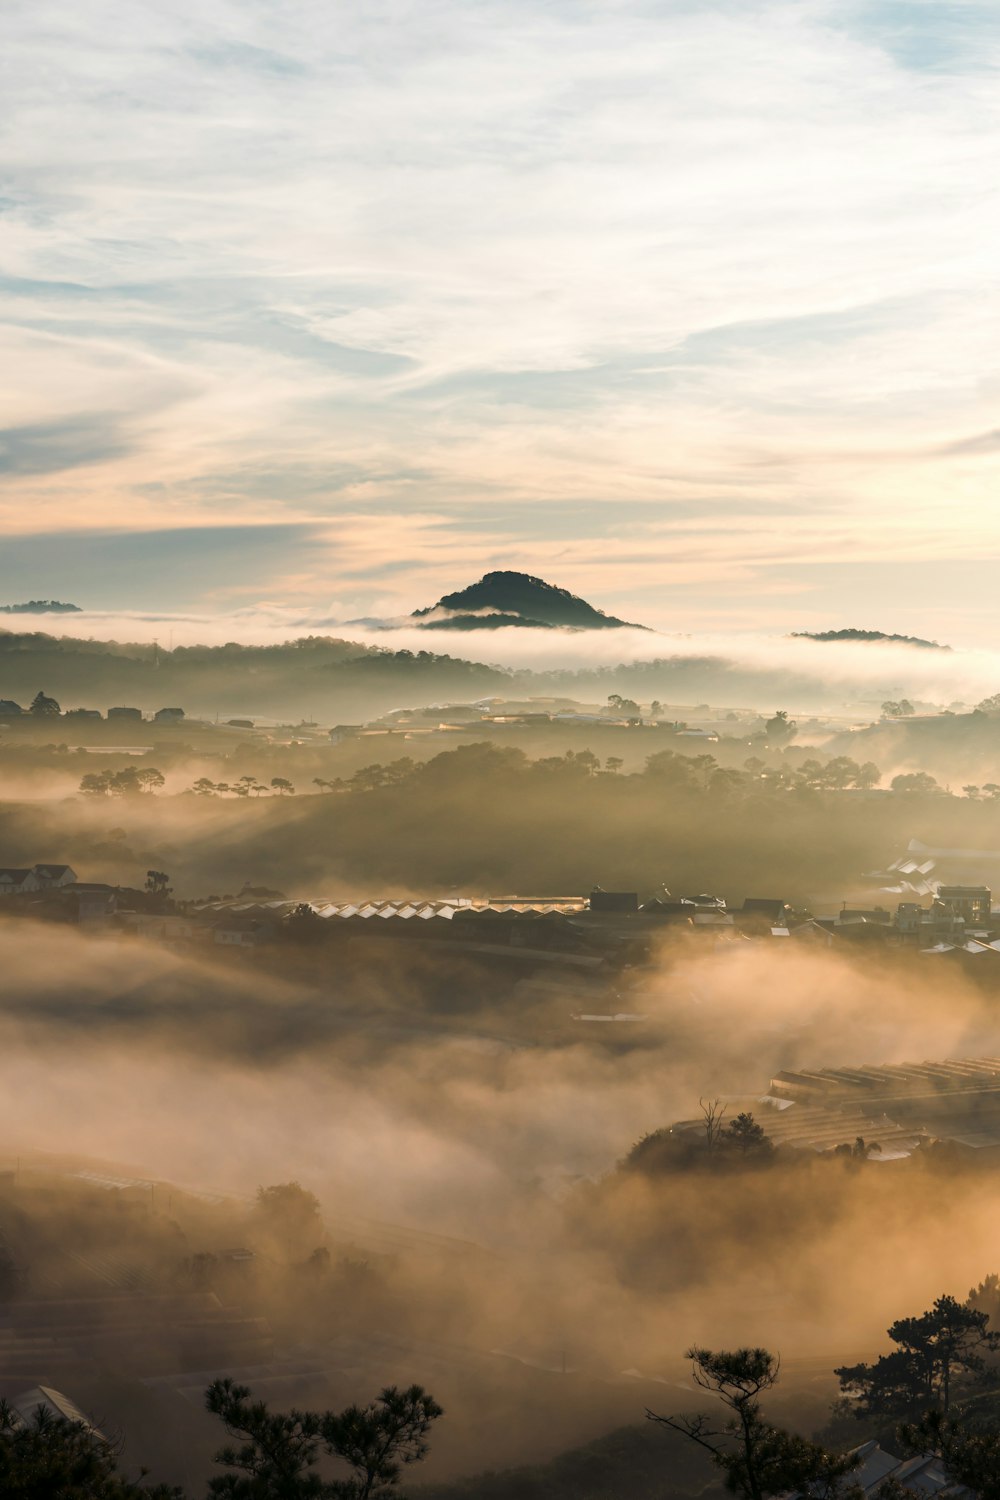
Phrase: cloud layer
(691, 305)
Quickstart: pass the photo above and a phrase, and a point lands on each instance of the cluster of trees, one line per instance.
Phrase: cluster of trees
(289, 1213)
(727, 1145)
(666, 768)
(628, 708)
(720, 1144)
(244, 786)
(130, 782)
(271, 1456)
(923, 784)
(988, 792)
(917, 783)
(276, 1454)
(43, 707)
(699, 774)
(780, 729)
(835, 775)
(756, 1458)
(696, 773)
(904, 709)
(939, 1355)
(932, 1384)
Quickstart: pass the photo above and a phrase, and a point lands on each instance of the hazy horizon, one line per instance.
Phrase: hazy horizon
(203, 620)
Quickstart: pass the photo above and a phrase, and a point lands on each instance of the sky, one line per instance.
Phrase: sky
(691, 308)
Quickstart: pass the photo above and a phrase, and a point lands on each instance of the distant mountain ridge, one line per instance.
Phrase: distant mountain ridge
(867, 635)
(349, 682)
(40, 607)
(508, 598)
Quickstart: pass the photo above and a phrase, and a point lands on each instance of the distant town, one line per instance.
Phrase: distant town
(601, 928)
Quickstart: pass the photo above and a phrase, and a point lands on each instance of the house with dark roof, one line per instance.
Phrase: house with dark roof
(25, 882)
(924, 1476)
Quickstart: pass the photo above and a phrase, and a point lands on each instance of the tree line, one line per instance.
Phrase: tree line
(243, 786)
(130, 782)
(666, 768)
(936, 1385)
(696, 774)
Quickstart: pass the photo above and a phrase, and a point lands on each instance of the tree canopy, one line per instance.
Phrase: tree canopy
(129, 782)
(940, 1349)
(44, 707)
(757, 1459)
(276, 1453)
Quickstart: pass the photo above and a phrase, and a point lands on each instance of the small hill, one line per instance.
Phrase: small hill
(867, 635)
(508, 598)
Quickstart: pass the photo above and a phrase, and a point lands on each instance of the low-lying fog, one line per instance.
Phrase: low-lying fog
(228, 1079)
(821, 674)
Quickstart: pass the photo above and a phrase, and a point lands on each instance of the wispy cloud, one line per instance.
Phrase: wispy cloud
(981, 442)
(52, 447)
(660, 262)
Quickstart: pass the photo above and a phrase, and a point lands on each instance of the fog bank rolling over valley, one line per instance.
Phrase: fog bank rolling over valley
(314, 667)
